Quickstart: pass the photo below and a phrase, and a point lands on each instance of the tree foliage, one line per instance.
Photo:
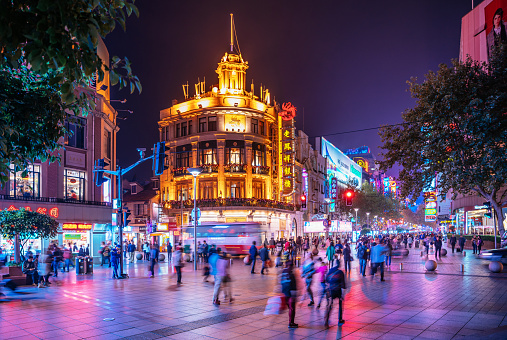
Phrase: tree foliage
(48, 57)
(369, 200)
(457, 130)
(28, 224)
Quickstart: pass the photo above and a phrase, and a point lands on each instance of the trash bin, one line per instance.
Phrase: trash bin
(80, 265)
(89, 265)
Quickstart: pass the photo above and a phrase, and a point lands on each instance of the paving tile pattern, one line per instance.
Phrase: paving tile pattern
(411, 304)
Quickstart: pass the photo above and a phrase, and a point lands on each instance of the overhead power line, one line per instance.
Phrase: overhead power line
(360, 130)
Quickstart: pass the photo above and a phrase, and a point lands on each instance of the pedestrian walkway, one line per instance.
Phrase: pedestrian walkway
(411, 304)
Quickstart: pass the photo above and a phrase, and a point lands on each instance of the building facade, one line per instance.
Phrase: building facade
(67, 191)
(234, 136)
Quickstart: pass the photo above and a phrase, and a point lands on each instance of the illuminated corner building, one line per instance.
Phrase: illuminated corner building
(67, 191)
(234, 136)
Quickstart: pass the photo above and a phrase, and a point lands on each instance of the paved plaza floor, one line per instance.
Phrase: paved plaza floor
(411, 304)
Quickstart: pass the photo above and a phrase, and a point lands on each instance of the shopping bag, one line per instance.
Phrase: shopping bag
(246, 260)
(275, 305)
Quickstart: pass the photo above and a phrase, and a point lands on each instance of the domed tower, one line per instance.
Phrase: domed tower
(233, 136)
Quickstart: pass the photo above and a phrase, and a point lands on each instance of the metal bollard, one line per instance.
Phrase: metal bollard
(401, 266)
(462, 268)
(230, 261)
(464, 253)
(422, 253)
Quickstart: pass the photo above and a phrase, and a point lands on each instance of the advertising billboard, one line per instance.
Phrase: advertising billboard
(482, 29)
(340, 166)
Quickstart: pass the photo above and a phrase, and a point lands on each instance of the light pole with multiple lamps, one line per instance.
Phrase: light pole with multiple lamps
(195, 172)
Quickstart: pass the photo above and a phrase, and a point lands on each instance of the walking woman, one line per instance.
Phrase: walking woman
(330, 252)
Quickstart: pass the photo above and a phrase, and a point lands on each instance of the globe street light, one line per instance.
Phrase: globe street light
(356, 209)
(195, 172)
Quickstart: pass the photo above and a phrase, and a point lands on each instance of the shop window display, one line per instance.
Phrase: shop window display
(74, 184)
(25, 186)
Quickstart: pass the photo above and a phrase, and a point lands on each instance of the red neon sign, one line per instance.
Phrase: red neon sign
(289, 111)
(53, 212)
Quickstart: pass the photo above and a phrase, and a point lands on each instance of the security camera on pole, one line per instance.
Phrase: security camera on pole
(158, 158)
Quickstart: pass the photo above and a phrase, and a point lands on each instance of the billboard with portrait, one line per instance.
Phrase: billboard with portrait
(482, 29)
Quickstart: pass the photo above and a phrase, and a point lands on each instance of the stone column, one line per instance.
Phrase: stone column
(248, 159)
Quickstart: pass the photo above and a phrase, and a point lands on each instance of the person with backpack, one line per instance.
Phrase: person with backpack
(335, 280)
(339, 249)
(362, 256)
(307, 273)
(289, 289)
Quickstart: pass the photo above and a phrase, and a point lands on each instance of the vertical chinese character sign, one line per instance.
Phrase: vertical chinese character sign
(288, 148)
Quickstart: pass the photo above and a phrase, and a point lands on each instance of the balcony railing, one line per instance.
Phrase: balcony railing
(260, 170)
(53, 200)
(227, 202)
(180, 172)
(209, 168)
(235, 168)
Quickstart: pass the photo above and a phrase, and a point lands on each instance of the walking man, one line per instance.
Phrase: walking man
(462, 241)
(264, 255)
(177, 261)
(153, 258)
(377, 260)
(453, 242)
(308, 271)
(362, 256)
(289, 289)
(115, 260)
(335, 280)
(253, 255)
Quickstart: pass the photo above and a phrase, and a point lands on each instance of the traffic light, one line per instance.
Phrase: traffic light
(126, 214)
(303, 202)
(349, 195)
(159, 158)
(100, 164)
(489, 214)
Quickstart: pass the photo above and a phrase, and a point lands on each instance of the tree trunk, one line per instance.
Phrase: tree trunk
(500, 218)
(17, 252)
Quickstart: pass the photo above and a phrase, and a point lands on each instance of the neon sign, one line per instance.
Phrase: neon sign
(76, 226)
(289, 111)
(53, 212)
(287, 148)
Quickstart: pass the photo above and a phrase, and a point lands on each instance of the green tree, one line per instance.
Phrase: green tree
(48, 59)
(369, 200)
(458, 130)
(416, 217)
(22, 225)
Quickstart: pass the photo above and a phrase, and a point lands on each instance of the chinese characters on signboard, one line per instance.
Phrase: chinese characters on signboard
(287, 149)
(430, 205)
(53, 212)
(334, 188)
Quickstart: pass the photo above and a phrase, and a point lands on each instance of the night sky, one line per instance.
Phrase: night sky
(345, 63)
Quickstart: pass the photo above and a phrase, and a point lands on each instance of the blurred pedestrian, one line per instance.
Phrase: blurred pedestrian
(307, 273)
(330, 253)
(67, 257)
(462, 241)
(335, 280)
(154, 252)
(146, 251)
(264, 255)
(178, 263)
(452, 241)
(289, 289)
(106, 255)
(389, 253)
(479, 244)
(169, 251)
(322, 271)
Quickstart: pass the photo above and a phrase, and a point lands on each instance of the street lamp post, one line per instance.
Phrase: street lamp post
(368, 218)
(376, 224)
(195, 172)
(356, 209)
